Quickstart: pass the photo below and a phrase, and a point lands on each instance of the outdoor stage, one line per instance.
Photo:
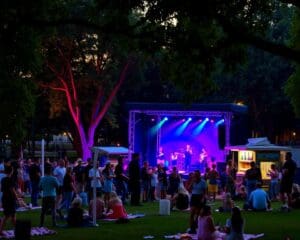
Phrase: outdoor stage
(185, 137)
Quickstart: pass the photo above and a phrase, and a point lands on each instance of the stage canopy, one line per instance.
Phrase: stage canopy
(205, 128)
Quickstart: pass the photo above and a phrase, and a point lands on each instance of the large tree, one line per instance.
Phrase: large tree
(194, 37)
(87, 72)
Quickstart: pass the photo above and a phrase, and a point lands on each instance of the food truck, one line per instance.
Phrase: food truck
(259, 150)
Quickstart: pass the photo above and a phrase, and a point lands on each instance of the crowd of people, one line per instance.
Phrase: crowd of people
(67, 187)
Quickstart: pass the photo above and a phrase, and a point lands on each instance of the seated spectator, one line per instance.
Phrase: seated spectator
(259, 199)
(115, 208)
(295, 201)
(75, 214)
(235, 225)
(227, 203)
(206, 228)
(241, 194)
(181, 199)
(99, 207)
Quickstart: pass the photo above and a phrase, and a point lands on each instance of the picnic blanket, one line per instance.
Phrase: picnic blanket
(35, 231)
(220, 235)
(129, 216)
(23, 209)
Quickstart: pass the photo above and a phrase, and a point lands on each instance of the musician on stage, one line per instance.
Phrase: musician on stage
(174, 158)
(160, 157)
(203, 160)
(187, 156)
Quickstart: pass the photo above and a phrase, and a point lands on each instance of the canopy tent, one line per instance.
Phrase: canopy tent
(110, 153)
(261, 144)
(259, 150)
(111, 150)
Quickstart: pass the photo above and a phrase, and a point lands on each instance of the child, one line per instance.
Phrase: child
(9, 198)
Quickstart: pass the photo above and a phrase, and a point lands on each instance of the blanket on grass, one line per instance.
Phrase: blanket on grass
(220, 235)
(35, 231)
(23, 209)
(129, 216)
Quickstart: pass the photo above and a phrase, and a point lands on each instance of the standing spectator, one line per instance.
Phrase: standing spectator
(27, 186)
(198, 199)
(213, 176)
(145, 177)
(174, 181)
(87, 180)
(162, 180)
(59, 172)
(95, 180)
(134, 179)
(48, 186)
(273, 188)
(286, 184)
(121, 180)
(252, 176)
(108, 175)
(9, 198)
(153, 184)
(79, 174)
(68, 190)
(230, 178)
(35, 175)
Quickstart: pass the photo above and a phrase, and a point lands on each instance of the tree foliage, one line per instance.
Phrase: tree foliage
(292, 87)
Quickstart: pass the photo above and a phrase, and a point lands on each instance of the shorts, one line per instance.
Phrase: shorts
(197, 200)
(212, 188)
(286, 186)
(9, 207)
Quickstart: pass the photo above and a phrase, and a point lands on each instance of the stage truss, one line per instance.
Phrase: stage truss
(226, 115)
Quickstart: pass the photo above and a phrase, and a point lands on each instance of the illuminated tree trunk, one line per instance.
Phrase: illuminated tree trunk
(65, 83)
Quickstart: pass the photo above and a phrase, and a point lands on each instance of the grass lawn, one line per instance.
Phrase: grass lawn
(275, 224)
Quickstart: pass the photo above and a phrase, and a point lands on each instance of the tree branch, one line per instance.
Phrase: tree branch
(51, 87)
(244, 37)
(112, 94)
(67, 91)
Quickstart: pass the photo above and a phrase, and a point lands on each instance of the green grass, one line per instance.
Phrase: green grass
(275, 224)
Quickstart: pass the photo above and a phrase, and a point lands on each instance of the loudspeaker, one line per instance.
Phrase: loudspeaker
(23, 230)
(221, 136)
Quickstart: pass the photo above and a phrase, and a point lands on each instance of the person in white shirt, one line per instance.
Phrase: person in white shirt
(95, 178)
